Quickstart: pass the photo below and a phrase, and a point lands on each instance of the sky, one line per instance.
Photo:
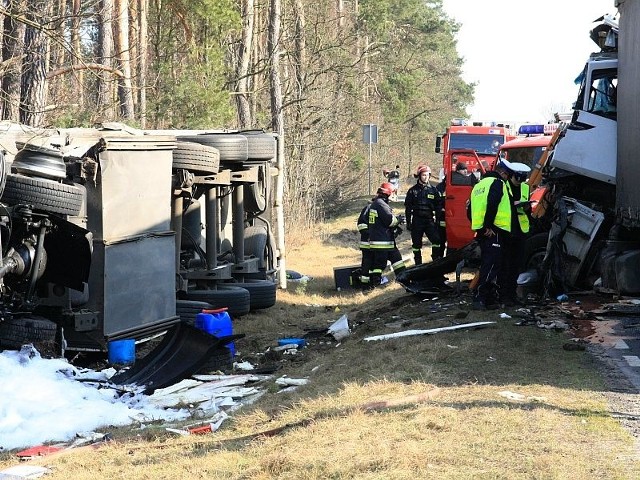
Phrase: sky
(45, 400)
(524, 56)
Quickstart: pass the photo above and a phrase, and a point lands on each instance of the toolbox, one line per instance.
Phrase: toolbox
(346, 277)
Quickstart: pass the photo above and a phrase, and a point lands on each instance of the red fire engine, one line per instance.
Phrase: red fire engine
(477, 146)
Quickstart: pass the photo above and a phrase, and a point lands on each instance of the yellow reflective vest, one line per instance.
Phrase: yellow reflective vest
(479, 197)
(523, 218)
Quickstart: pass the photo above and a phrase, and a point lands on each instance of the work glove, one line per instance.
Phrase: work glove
(401, 219)
(396, 232)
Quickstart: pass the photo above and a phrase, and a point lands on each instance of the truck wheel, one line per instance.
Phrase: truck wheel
(255, 243)
(18, 331)
(535, 248)
(262, 292)
(232, 147)
(43, 194)
(260, 145)
(188, 309)
(236, 299)
(196, 158)
(255, 194)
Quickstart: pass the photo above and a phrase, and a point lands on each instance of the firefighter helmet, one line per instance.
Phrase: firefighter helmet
(385, 189)
(422, 169)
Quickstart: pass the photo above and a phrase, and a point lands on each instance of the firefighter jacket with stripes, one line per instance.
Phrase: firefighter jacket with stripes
(422, 201)
(491, 204)
(363, 226)
(382, 223)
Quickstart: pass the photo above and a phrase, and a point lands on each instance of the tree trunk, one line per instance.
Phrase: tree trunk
(134, 38)
(142, 62)
(277, 123)
(242, 71)
(12, 52)
(340, 12)
(125, 92)
(105, 85)
(277, 119)
(33, 91)
(76, 53)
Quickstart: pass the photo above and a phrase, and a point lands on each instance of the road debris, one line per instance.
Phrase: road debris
(340, 328)
(408, 333)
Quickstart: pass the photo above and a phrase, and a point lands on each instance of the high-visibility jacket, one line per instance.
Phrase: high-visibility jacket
(479, 198)
(363, 227)
(381, 225)
(523, 218)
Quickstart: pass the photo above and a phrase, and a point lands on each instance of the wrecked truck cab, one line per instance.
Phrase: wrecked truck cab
(591, 243)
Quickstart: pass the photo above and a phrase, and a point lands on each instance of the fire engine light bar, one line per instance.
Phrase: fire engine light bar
(531, 130)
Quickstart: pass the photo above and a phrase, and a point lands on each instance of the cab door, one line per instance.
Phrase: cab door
(458, 191)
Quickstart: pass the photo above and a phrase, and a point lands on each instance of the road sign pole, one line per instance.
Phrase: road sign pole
(370, 168)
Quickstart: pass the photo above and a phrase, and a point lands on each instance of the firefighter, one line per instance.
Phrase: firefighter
(513, 245)
(422, 203)
(383, 226)
(365, 248)
(491, 216)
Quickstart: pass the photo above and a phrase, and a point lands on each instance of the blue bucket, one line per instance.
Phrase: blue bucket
(217, 324)
(122, 352)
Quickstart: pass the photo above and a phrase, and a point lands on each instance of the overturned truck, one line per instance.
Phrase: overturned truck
(117, 233)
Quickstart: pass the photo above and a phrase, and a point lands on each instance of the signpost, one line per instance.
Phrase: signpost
(369, 137)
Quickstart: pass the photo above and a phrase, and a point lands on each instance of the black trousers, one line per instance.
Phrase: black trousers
(420, 227)
(512, 257)
(366, 264)
(491, 260)
(380, 259)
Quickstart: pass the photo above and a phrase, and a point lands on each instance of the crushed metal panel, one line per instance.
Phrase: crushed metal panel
(582, 152)
(582, 226)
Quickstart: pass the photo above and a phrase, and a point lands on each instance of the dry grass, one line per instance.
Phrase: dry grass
(463, 428)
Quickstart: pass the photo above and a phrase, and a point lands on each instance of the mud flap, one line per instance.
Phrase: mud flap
(183, 350)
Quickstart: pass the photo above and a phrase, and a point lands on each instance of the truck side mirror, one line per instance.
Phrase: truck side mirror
(438, 143)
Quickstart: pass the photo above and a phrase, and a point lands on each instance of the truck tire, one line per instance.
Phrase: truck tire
(188, 309)
(43, 194)
(236, 299)
(255, 243)
(262, 293)
(232, 147)
(256, 194)
(260, 145)
(535, 248)
(196, 158)
(18, 331)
